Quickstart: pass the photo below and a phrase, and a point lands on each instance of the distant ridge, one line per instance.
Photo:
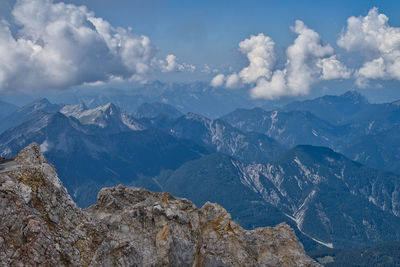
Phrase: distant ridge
(332, 108)
(152, 110)
(23, 113)
(6, 109)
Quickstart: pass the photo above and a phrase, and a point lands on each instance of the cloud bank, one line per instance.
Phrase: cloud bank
(308, 61)
(61, 45)
(378, 42)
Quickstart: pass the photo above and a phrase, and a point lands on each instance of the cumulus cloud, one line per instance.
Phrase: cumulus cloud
(61, 45)
(260, 53)
(208, 70)
(218, 80)
(233, 81)
(377, 41)
(332, 69)
(302, 58)
(308, 61)
(171, 64)
(273, 88)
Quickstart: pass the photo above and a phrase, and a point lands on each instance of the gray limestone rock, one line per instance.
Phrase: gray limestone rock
(40, 225)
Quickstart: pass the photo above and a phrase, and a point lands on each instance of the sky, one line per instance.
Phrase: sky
(275, 48)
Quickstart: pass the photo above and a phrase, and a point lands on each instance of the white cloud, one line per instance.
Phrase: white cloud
(218, 80)
(186, 67)
(332, 69)
(270, 89)
(260, 53)
(208, 70)
(302, 58)
(61, 45)
(308, 61)
(378, 42)
(233, 81)
(171, 64)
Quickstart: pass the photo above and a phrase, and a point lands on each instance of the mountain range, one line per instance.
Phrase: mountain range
(347, 123)
(219, 136)
(263, 166)
(197, 97)
(302, 187)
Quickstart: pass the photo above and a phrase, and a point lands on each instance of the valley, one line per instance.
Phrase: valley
(253, 162)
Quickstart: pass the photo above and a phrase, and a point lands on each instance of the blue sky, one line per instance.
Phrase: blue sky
(200, 33)
(208, 32)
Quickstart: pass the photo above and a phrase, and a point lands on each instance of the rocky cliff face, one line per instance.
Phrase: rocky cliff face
(41, 225)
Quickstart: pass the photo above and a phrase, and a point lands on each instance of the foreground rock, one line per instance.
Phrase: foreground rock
(40, 225)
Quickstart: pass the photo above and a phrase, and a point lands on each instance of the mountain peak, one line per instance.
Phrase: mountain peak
(107, 116)
(355, 97)
(42, 100)
(30, 155)
(107, 109)
(42, 104)
(39, 103)
(110, 107)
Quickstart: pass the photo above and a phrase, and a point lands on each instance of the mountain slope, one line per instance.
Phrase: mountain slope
(334, 199)
(217, 178)
(288, 128)
(6, 109)
(380, 150)
(222, 137)
(88, 160)
(24, 113)
(109, 118)
(330, 199)
(364, 132)
(332, 108)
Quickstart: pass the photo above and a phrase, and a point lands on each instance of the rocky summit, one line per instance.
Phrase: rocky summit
(40, 225)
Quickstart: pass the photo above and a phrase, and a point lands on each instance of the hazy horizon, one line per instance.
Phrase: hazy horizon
(276, 53)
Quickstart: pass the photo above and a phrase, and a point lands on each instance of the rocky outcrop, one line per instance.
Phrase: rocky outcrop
(40, 225)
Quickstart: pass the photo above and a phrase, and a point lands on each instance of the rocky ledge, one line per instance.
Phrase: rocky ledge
(40, 225)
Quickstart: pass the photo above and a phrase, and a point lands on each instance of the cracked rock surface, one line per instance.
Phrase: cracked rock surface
(40, 225)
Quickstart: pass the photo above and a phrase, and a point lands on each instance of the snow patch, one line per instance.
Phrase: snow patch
(314, 132)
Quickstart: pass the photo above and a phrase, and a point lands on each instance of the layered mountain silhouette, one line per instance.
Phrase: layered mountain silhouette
(265, 167)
